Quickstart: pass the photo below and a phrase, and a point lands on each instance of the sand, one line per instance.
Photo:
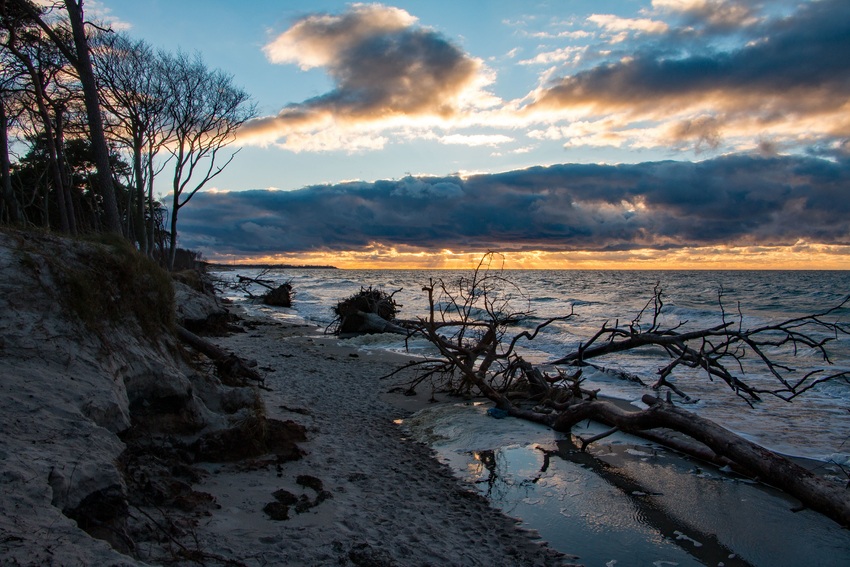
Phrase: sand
(392, 502)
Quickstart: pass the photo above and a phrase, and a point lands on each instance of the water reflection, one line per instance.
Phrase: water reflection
(646, 508)
(635, 504)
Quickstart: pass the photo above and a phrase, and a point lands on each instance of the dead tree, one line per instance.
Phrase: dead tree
(468, 322)
(275, 295)
(817, 493)
(281, 296)
(722, 348)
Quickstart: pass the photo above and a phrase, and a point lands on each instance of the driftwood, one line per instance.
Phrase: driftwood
(720, 349)
(817, 493)
(367, 311)
(268, 284)
(229, 366)
(374, 323)
(477, 358)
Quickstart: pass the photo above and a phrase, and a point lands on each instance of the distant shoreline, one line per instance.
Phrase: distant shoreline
(217, 266)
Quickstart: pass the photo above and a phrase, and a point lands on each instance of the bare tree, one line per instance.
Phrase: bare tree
(468, 323)
(134, 95)
(37, 56)
(204, 110)
(80, 59)
(719, 350)
(10, 87)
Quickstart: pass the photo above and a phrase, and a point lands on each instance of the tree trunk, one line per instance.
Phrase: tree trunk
(819, 494)
(228, 364)
(141, 232)
(6, 167)
(95, 120)
(65, 187)
(151, 220)
(172, 244)
(38, 87)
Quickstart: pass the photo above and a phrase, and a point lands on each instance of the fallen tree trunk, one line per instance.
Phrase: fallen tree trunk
(692, 449)
(368, 311)
(229, 365)
(814, 492)
(373, 323)
(268, 284)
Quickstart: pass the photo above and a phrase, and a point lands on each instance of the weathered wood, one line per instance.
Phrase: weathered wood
(368, 311)
(692, 449)
(817, 493)
(470, 359)
(228, 364)
(268, 284)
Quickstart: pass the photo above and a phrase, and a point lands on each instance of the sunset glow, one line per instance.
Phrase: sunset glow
(799, 257)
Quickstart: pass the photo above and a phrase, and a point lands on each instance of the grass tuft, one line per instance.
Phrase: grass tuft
(115, 281)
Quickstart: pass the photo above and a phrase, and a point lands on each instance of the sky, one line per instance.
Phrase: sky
(681, 134)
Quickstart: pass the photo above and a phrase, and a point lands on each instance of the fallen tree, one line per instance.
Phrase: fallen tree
(275, 295)
(232, 369)
(368, 311)
(468, 321)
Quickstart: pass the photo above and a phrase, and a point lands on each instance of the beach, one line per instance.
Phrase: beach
(392, 502)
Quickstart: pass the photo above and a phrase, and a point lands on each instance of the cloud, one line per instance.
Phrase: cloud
(319, 40)
(476, 139)
(738, 200)
(722, 14)
(388, 72)
(716, 76)
(613, 23)
(578, 34)
(571, 53)
(792, 85)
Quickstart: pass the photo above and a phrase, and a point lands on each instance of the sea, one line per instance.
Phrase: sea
(648, 505)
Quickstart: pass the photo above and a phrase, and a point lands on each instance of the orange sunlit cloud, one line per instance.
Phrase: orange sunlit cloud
(420, 80)
(413, 77)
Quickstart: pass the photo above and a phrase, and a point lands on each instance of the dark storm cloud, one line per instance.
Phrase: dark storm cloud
(410, 72)
(734, 200)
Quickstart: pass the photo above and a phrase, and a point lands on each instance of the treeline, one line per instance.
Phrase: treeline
(89, 117)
